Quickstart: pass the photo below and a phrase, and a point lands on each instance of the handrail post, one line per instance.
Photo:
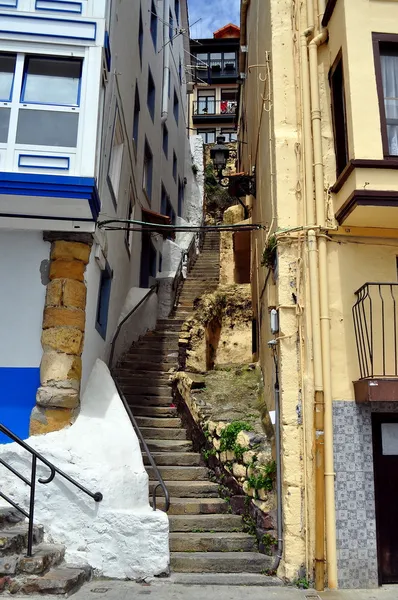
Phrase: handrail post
(32, 505)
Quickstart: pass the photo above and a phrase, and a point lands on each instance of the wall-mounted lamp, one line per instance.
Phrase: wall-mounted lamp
(238, 184)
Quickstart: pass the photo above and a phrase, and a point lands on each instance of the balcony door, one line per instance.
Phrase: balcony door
(385, 457)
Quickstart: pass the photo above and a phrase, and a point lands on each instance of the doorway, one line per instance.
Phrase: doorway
(385, 458)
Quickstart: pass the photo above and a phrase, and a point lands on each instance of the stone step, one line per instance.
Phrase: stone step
(147, 367)
(189, 489)
(147, 390)
(145, 401)
(43, 557)
(165, 334)
(153, 411)
(178, 473)
(10, 516)
(195, 506)
(212, 542)
(163, 433)
(220, 562)
(158, 422)
(149, 355)
(201, 523)
(243, 580)
(58, 581)
(14, 538)
(169, 445)
(178, 459)
(151, 343)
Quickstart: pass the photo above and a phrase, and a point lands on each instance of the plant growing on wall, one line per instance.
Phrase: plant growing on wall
(269, 253)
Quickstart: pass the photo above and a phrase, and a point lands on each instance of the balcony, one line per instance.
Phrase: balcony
(209, 110)
(375, 315)
(220, 70)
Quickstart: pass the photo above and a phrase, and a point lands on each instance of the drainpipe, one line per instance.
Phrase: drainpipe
(244, 7)
(324, 304)
(166, 61)
(279, 528)
(315, 308)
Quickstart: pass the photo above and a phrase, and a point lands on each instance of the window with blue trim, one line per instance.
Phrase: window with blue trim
(148, 171)
(165, 140)
(154, 24)
(166, 207)
(7, 68)
(180, 197)
(104, 295)
(140, 36)
(171, 27)
(177, 10)
(136, 120)
(176, 107)
(116, 158)
(174, 166)
(54, 81)
(151, 97)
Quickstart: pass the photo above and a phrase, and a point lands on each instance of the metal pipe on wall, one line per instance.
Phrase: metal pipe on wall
(166, 61)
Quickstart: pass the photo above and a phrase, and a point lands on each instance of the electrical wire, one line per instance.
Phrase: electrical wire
(134, 225)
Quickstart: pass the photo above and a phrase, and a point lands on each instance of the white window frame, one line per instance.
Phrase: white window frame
(116, 156)
(11, 147)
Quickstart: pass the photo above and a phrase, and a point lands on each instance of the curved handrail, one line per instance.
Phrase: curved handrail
(96, 496)
(147, 451)
(152, 289)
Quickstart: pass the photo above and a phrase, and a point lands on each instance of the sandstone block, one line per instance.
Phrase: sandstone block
(70, 251)
(230, 455)
(263, 494)
(264, 456)
(248, 490)
(54, 293)
(239, 470)
(211, 426)
(45, 420)
(242, 439)
(75, 293)
(64, 370)
(248, 439)
(63, 339)
(67, 269)
(55, 397)
(220, 428)
(248, 457)
(216, 443)
(64, 317)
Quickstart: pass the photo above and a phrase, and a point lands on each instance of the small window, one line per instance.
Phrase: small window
(47, 128)
(165, 140)
(136, 120)
(4, 124)
(177, 11)
(339, 115)
(140, 36)
(230, 135)
(104, 295)
(53, 81)
(151, 98)
(128, 234)
(208, 135)
(176, 107)
(174, 166)
(206, 103)
(147, 171)
(166, 207)
(171, 27)
(386, 58)
(180, 197)
(116, 160)
(7, 68)
(154, 24)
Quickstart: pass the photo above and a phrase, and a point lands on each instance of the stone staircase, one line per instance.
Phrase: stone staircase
(43, 573)
(204, 537)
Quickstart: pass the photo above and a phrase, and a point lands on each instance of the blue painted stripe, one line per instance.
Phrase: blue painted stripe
(34, 165)
(51, 186)
(44, 5)
(18, 387)
(11, 4)
(91, 38)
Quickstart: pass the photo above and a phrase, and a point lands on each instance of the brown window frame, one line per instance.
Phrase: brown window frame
(339, 115)
(382, 38)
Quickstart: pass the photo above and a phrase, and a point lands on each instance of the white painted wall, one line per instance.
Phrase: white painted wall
(120, 537)
(21, 297)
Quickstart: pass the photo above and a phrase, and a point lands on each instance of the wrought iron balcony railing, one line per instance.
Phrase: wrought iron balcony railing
(210, 106)
(375, 315)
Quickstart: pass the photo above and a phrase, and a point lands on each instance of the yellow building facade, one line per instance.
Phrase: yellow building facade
(318, 124)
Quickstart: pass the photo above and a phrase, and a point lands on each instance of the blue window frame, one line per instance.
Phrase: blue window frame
(140, 36)
(148, 170)
(177, 10)
(136, 120)
(174, 166)
(154, 24)
(176, 107)
(151, 97)
(7, 69)
(53, 81)
(165, 140)
(104, 295)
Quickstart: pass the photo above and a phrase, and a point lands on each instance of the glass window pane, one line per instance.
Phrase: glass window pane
(52, 81)
(47, 128)
(7, 68)
(229, 56)
(202, 57)
(4, 122)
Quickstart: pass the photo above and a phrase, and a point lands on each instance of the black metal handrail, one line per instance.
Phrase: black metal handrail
(97, 496)
(187, 258)
(148, 453)
(375, 315)
(153, 289)
(210, 106)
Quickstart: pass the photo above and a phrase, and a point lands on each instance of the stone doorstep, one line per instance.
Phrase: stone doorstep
(57, 581)
(229, 579)
(220, 562)
(14, 539)
(44, 556)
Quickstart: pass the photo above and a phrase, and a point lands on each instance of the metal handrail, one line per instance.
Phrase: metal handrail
(96, 496)
(134, 423)
(148, 453)
(152, 289)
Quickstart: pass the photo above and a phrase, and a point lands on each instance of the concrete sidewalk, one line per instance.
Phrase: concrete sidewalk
(168, 589)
